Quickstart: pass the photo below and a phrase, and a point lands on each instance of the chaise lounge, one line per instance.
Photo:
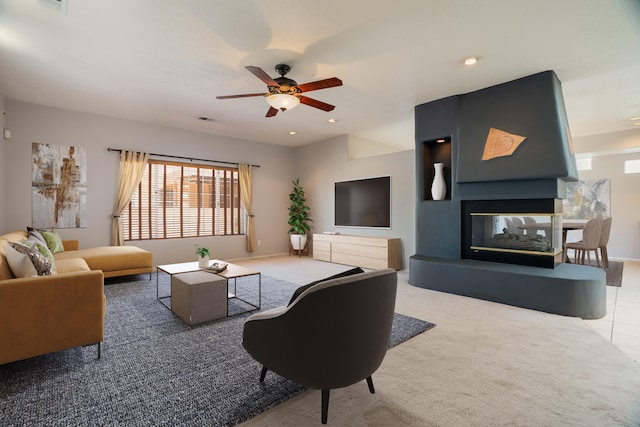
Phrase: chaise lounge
(44, 314)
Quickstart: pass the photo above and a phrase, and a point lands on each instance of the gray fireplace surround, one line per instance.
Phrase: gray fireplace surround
(454, 131)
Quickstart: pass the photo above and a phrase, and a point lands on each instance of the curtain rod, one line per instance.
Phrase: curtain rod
(118, 150)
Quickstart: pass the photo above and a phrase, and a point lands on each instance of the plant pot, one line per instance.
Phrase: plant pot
(203, 262)
(298, 241)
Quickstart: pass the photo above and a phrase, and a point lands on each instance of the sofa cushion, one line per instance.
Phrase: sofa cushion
(26, 261)
(15, 236)
(71, 265)
(301, 289)
(110, 258)
(5, 270)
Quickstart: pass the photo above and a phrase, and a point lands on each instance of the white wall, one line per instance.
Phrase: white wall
(322, 164)
(3, 181)
(317, 165)
(35, 123)
(624, 242)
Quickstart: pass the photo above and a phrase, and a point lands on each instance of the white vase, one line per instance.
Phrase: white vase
(439, 187)
(298, 241)
(203, 262)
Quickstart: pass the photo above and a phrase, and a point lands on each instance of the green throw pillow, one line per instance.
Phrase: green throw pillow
(54, 242)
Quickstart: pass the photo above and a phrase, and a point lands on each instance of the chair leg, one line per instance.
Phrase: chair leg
(99, 349)
(605, 256)
(263, 373)
(597, 258)
(325, 405)
(370, 384)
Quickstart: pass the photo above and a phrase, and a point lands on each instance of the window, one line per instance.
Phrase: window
(177, 200)
(584, 164)
(632, 166)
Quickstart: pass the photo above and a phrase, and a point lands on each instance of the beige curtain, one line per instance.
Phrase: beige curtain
(246, 182)
(132, 166)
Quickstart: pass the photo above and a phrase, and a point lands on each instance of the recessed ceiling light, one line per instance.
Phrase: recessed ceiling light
(470, 60)
(637, 124)
(439, 141)
(293, 132)
(332, 121)
(634, 118)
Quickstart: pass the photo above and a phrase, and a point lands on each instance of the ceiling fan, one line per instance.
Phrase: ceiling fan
(284, 94)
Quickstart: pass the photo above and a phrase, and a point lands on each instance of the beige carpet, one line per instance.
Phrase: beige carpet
(484, 364)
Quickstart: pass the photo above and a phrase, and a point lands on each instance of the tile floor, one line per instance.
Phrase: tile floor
(621, 325)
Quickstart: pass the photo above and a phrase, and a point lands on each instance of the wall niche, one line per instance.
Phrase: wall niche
(436, 151)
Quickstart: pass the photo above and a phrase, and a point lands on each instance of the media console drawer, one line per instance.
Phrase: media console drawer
(361, 251)
(322, 250)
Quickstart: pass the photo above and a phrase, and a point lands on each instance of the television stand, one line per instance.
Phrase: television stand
(360, 251)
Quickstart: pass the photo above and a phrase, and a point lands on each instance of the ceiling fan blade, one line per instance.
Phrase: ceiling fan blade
(315, 103)
(259, 73)
(246, 95)
(320, 84)
(272, 112)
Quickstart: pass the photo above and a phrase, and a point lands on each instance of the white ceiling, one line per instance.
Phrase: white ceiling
(165, 61)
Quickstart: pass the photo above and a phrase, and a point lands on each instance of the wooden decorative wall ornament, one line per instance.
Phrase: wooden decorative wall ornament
(500, 143)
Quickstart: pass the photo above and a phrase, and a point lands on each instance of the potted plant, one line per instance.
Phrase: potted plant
(298, 217)
(203, 256)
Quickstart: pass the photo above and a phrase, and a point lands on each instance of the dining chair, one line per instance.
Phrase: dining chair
(518, 225)
(530, 221)
(604, 240)
(590, 242)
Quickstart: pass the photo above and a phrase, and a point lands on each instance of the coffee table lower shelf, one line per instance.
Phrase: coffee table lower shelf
(232, 271)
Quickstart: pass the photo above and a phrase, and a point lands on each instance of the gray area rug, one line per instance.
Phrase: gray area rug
(155, 370)
(614, 272)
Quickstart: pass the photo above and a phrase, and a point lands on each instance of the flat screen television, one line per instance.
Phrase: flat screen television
(363, 203)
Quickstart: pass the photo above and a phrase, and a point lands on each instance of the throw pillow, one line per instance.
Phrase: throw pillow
(36, 234)
(26, 262)
(54, 242)
(34, 243)
(303, 288)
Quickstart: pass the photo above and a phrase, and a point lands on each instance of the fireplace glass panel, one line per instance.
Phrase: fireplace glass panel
(535, 234)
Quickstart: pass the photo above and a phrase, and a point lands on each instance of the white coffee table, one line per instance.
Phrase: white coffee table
(232, 271)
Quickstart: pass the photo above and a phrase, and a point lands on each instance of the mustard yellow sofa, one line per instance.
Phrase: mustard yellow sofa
(45, 314)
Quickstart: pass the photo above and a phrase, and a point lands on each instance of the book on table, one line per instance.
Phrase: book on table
(216, 267)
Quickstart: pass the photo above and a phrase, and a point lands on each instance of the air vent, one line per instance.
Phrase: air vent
(59, 6)
(205, 119)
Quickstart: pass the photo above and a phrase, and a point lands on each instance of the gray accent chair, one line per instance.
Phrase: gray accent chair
(335, 334)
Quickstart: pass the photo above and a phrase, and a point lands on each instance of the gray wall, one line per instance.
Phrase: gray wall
(609, 152)
(35, 123)
(321, 164)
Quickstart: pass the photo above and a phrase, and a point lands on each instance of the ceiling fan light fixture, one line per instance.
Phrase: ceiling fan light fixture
(283, 101)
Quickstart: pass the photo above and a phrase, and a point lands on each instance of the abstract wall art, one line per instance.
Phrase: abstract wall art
(58, 186)
(588, 199)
